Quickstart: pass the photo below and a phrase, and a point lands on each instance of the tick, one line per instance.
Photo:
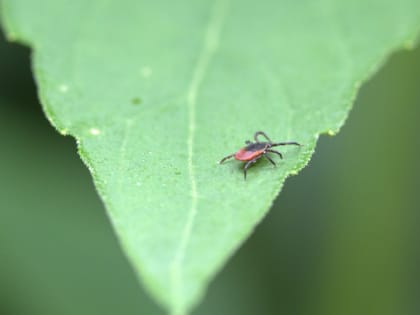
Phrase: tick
(256, 150)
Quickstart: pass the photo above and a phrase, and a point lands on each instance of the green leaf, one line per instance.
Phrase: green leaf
(156, 93)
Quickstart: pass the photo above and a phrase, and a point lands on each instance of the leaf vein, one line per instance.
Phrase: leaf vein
(210, 46)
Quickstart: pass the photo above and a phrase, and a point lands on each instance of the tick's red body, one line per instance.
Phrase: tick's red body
(250, 151)
(255, 150)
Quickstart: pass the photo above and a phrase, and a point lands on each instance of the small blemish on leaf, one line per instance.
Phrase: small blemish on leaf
(146, 71)
(63, 88)
(11, 36)
(409, 44)
(136, 101)
(177, 173)
(94, 131)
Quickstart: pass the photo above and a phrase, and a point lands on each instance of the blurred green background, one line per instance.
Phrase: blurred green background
(342, 237)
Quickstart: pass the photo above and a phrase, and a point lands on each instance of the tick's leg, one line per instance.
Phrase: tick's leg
(248, 142)
(285, 143)
(269, 158)
(249, 163)
(276, 152)
(226, 157)
(261, 133)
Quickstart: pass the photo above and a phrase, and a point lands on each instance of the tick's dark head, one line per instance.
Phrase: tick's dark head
(257, 146)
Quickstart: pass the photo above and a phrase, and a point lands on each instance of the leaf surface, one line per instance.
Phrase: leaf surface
(157, 92)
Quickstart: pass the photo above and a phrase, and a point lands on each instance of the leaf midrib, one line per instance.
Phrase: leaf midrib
(209, 48)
